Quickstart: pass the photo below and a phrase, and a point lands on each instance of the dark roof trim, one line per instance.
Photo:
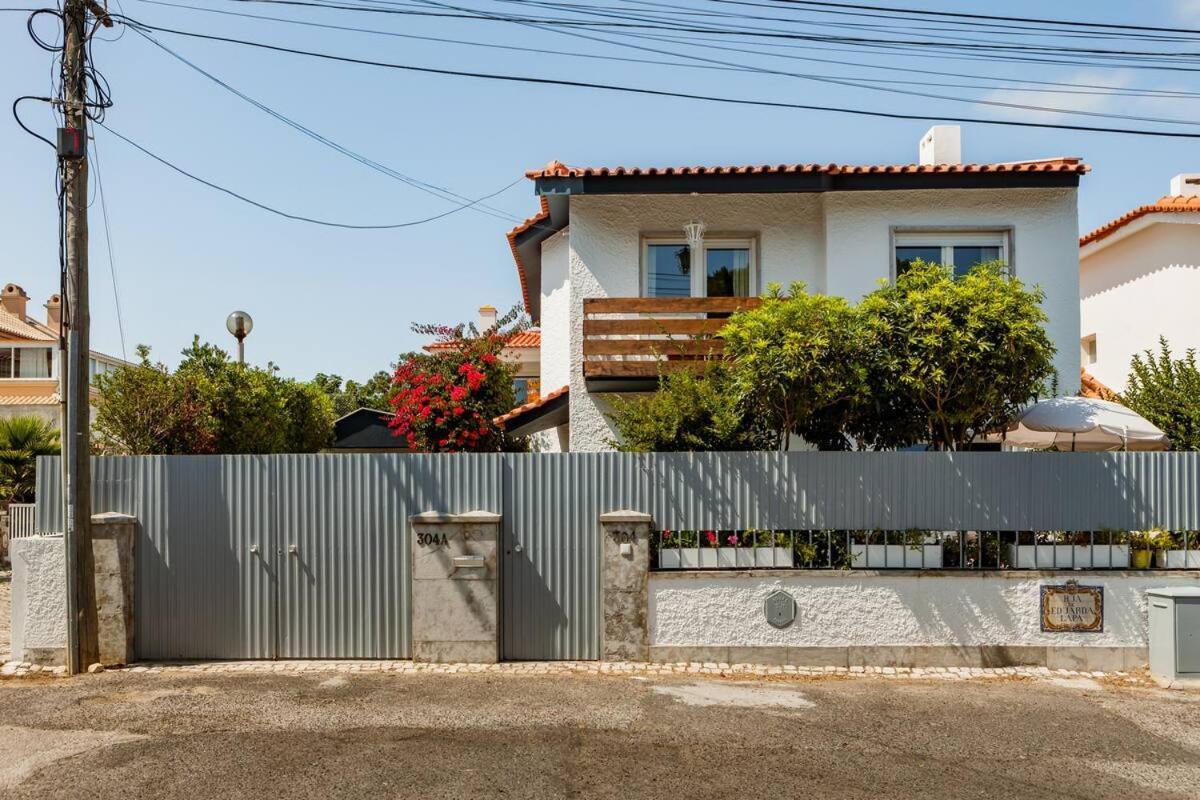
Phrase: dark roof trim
(550, 414)
(528, 245)
(780, 182)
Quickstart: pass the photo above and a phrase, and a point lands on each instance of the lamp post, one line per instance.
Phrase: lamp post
(239, 323)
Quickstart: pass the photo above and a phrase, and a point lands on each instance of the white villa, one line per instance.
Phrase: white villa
(1139, 279)
(618, 255)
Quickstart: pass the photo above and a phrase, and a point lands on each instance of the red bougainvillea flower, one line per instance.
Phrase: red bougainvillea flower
(711, 536)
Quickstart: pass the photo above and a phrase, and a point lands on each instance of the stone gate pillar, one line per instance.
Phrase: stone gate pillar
(624, 592)
(455, 581)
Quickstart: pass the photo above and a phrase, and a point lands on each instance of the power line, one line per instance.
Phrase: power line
(437, 191)
(1015, 84)
(847, 81)
(964, 15)
(112, 268)
(285, 214)
(659, 92)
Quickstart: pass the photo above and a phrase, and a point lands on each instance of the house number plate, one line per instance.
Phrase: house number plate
(780, 609)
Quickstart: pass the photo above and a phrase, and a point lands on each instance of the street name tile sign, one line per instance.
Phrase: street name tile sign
(1072, 608)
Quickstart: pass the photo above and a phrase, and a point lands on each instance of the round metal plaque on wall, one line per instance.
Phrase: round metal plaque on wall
(780, 608)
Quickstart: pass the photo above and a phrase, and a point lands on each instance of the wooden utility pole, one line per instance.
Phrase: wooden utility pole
(83, 645)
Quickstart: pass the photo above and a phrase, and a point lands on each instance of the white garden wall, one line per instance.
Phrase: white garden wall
(844, 611)
(838, 242)
(39, 597)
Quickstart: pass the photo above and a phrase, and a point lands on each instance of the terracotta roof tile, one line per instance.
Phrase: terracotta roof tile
(1090, 387)
(557, 169)
(530, 338)
(530, 406)
(28, 328)
(1164, 205)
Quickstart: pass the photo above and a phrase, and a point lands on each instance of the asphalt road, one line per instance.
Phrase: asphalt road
(479, 736)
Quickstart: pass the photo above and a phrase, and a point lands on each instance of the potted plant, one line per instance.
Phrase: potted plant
(1068, 550)
(1183, 550)
(678, 550)
(773, 549)
(911, 549)
(1143, 543)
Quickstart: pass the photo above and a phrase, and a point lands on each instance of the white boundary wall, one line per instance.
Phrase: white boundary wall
(39, 610)
(874, 609)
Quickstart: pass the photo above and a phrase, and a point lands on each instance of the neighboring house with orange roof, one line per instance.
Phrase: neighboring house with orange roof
(619, 259)
(1139, 279)
(29, 368)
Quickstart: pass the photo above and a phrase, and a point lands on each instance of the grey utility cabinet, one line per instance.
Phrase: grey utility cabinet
(1175, 633)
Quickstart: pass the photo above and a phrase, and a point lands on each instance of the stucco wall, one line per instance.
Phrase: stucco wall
(836, 242)
(556, 313)
(1139, 288)
(39, 596)
(839, 609)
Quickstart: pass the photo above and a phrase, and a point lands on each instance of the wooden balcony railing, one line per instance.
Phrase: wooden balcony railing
(636, 338)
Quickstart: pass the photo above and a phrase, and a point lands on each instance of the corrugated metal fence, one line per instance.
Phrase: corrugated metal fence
(203, 591)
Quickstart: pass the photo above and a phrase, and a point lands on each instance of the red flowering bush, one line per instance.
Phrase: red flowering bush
(446, 397)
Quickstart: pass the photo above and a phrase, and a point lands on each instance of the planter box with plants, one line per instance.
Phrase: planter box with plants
(1058, 550)
(897, 550)
(750, 549)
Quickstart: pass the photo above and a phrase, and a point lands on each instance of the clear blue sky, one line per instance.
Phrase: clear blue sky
(327, 300)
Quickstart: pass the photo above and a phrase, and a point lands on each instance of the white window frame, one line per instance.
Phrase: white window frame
(53, 361)
(948, 239)
(1089, 353)
(699, 277)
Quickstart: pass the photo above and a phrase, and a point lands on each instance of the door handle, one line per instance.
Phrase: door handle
(253, 549)
(293, 550)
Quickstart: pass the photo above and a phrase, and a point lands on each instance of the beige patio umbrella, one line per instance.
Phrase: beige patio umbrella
(1084, 423)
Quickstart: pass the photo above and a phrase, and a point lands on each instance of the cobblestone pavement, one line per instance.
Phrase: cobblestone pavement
(15, 669)
(5, 612)
(358, 729)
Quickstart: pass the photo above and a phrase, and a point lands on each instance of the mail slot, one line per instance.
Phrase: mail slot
(469, 562)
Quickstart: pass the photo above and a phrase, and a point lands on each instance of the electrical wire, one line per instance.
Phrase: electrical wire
(965, 15)
(534, 80)
(440, 192)
(847, 82)
(284, 214)
(1024, 85)
(112, 267)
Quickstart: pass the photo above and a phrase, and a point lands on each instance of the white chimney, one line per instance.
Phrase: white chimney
(941, 144)
(487, 317)
(1186, 184)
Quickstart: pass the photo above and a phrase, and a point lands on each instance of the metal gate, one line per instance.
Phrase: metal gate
(550, 585)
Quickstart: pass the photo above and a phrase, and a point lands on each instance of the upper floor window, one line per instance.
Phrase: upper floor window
(27, 362)
(729, 268)
(97, 367)
(960, 250)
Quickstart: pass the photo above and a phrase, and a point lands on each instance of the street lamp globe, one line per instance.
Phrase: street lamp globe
(239, 323)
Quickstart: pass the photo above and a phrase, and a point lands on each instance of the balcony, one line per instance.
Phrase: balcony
(629, 341)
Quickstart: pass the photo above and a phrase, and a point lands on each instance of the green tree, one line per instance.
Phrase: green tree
(950, 358)
(143, 409)
(210, 404)
(690, 412)
(22, 440)
(798, 360)
(1166, 391)
(376, 393)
